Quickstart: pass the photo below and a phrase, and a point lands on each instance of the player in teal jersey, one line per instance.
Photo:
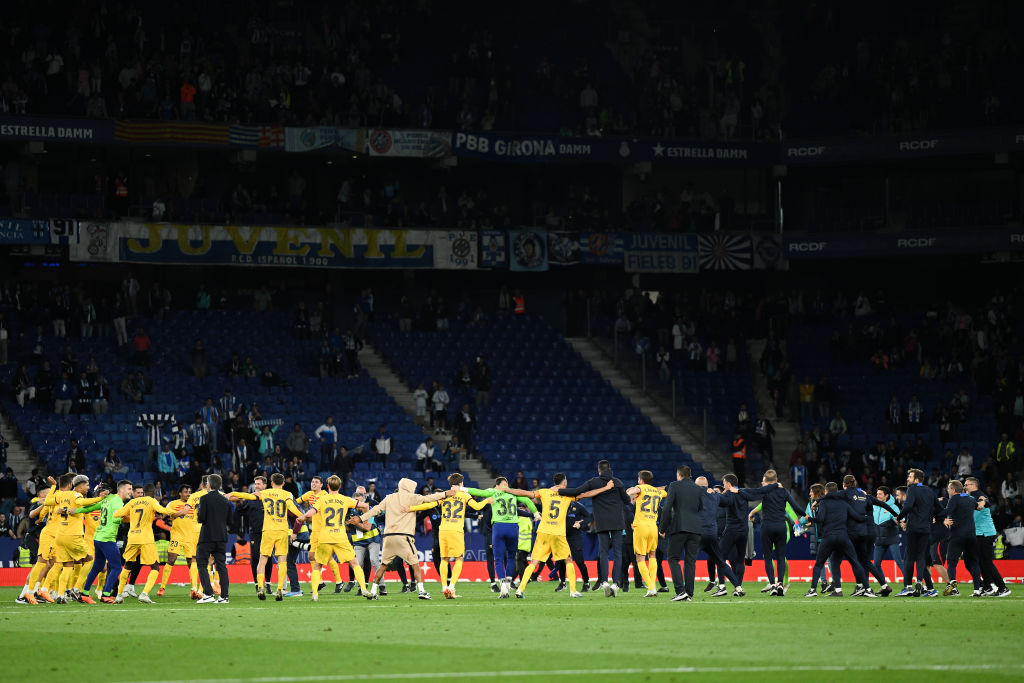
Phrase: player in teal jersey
(105, 540)
(504, 529)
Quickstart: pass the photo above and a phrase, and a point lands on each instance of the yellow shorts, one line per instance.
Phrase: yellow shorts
(71, 549)
(314, 541)
(453, 543)
(343, 551)
(275, 543)
(182, 547)
(46, 541)
(645, 539)
(549, 544)
(145, 553)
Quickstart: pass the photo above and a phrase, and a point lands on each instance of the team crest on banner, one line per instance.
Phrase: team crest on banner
(601, 247)
(493, 253)
(455, 249)
(725, 252)
(563, 248)
(529, 251)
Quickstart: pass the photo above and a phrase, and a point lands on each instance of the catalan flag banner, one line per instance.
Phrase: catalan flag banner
(158, 132)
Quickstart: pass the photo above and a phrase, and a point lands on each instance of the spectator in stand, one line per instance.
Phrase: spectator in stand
(235, 367)
(343, 466)
(199, 437)
(664, 359)
(964, 464)
(381, 444)
(327, 433)
(713, 355)
(112, 464)
(807, 399)
(24, 387)
(199, 359)
(823, 397)
(142, 345)
(440, 400)
(1009, 489)
(452, 456)
(914, 413)
(167, 463)
(300, 322)
(297, 442)
(63, 395)
(465, 427)
(838, 425)
(210, 415)
(483, 384)
(421, 397)
(425, 455)
(74, 461)
(742, 419)
(894, 416)
(1006, 456)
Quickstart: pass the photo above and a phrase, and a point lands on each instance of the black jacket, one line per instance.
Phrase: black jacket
(608, 506)
(862, 503)
(214, 512)
(831, 516)
(961, 510)
(576, 513)
(682, 507)
(773, 505)
(709, 515)
(918, 508)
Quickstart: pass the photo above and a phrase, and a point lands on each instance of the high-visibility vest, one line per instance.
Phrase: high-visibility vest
(243, 553)
(1005, 451)
(739, 448)
(1000, 548)
(24, 557)
(161, 550)
(520, 307)
(120, 188)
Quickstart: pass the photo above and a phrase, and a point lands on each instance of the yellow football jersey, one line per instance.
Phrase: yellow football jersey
(311, 498)
(92, 522)
(69, 524)
(192, 517)
(181, 525)
(332, 511)
(648, 502)
(277, 503)
(553, 510)
(453, 510)
(139, 512)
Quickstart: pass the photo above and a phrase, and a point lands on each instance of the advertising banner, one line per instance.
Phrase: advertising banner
(659, 253)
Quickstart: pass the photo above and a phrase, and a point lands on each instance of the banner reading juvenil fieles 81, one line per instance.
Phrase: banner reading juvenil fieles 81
(230, 245)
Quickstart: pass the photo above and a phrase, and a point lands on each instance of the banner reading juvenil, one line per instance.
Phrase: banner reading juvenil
(267, 246)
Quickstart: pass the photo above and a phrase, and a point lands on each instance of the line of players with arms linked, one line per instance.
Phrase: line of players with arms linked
(79, 535)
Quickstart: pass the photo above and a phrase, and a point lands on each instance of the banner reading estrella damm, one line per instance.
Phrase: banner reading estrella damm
(262, 246)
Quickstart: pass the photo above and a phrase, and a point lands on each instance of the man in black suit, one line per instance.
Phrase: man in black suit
(214, 511)
(609, 522)
(681, 521)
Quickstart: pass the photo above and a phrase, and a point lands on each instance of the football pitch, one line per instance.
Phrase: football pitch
(547, 635)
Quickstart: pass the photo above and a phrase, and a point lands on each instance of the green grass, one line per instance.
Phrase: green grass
(344, 637)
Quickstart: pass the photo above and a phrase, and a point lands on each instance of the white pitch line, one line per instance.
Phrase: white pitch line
(602, 672)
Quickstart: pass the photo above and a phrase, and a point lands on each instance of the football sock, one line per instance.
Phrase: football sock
(526, 578)
(570, 575)
(456, 572)
(315, 580)
(52, 577)
(101, 580)
(122, 581)
(360, 578)
(419, 587)
(652, 569)
(165, 576)
(80, 579)
(74, 576)
(444, 572)
(154, 574)
(65, 579)
(335, 569)
(193, 574)
(33, 576)
(645, 574)
(282, 574)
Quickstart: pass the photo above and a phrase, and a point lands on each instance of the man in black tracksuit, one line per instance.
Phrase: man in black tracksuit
(736, 502)
(831, 514)
(774, 530)
(862, 534)
(609, 522)
(985, 535)
(916, 515)
(576, 520)
(960, 522)
(709, 543)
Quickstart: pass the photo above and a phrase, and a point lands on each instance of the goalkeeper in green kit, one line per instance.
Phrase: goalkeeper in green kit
(106, 552)
(504, 530)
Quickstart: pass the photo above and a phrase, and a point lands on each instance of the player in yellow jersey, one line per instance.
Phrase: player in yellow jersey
(452, 533)
(645, 527)
(551, 530)
(310, 497)
(140, 548)
(92, 522)
(35, 589)
(182, 542)
(277, 503)
(332, 509)
(69, 545)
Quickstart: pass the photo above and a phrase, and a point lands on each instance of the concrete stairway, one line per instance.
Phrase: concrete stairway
(678, 430)
(398, 389)
(19, 456)
(787, 429)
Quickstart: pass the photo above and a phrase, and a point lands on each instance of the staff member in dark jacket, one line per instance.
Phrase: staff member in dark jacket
(213, 515)
(831, 513)
(609, 521)
(709, 543)
(916, 515)
(252, 511)
(681, 522)
(862, 533)
(960, 522)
